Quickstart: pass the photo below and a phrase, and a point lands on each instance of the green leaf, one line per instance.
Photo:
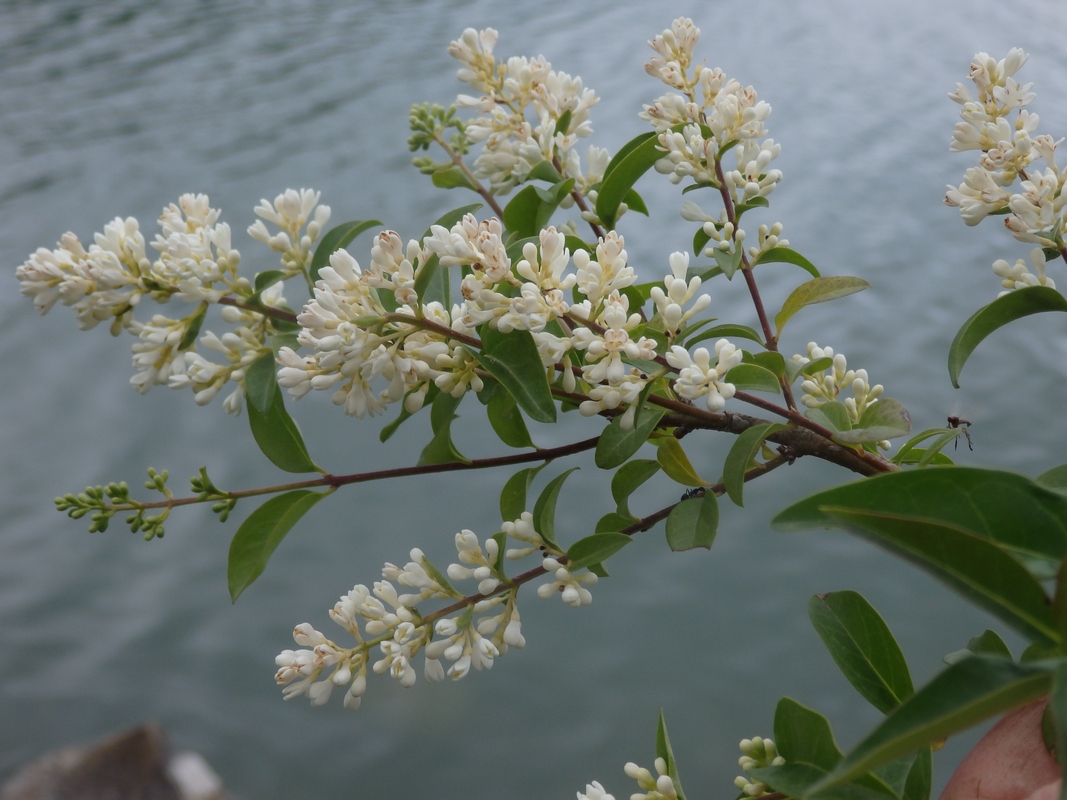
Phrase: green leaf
(863, 648)
(1019, 515)
(630, 476)
(962, 695)
(817, 290)
(507, 422)
(404, 415)
(335, 239)
(802, 735)
(278, 437)
(929, 455)
(264, 280)
(675, 463)
(988, 643)
(974, 567)
(796, 780)
(617, 445)
(513, 496)
(451, 177)
(920, 777)
(432, 283)
(529, 211)
(693, 523)
(832, 415)
(1055, 478)
(772, 361)
(192, 330)
(720, 331)
(1010, 307)
(664, 751)
(755, 202)
(594, 549)
(612, 522)
(637, 157)
(753, 377)
(260, 535)
(260, 383)
(784, 254)
(544, 171)
(741, 454)
(728, 262)
(544, 513)
(634, 202)
(700, 238)
(886, 419)
(514, 361)
(441, 449)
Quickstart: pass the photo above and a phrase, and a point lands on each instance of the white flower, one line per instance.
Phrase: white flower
(698, 377)
(569, 586)
(291, 211)
(594, 791)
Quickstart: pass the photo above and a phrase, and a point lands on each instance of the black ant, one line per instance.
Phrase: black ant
(962, 425)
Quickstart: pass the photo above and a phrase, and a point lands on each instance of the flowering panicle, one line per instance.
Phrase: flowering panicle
(757, 752)
(1009, 151)
(824, 386)
(196, 263)
(469, 633)
(290, 212)
(528, 114)
(712, 116)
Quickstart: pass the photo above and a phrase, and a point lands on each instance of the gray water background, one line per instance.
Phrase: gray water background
(116, 108)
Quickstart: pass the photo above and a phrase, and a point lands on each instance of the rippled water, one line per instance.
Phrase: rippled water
(117, 108)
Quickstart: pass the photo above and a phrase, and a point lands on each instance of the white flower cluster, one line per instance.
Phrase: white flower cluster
(660, 787)
(291, 211)
(509, 90)
(1009, 152)
(469, 634)
(758, 752)
(369, 356)
(196, 263)
(714, 112)
(824, 386)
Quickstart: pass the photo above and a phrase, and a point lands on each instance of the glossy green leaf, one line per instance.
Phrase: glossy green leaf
(260, 535)
(797, 780)
(832, 415)
(192, 330)
(930, 454)
(753, 377)
(886, 419)
(432, 283)
(961, 696)
(920, 777)
(748, 205)
(817, 290)
(613, 522)
(529, 211)
(278, 437)
(720, 331)
(784, 254)
(264, 280)
(337, 238)
(513, 496)
(974, 567)
(441, 449)
(802, 735)
(544, 171)
(616, 445)
(634, 202)
(924, 458)
(675, 463)
(1026, 519)
(1008, 308)
(594, 549)
(728, 262)
(260, 382)
(544, 512)
(1055, 478)
(700, 238)
(637, 157)
(507, 421)
(664, 751)
(630, 476)
(771, 361)
(451, 177)
(863, 647)
(693, 523)
(988, 643)
(514, 361)
(740, 457)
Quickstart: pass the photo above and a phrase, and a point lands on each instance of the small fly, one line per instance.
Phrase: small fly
(962, 425)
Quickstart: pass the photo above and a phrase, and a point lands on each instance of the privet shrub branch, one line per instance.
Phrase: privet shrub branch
(532, 307)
